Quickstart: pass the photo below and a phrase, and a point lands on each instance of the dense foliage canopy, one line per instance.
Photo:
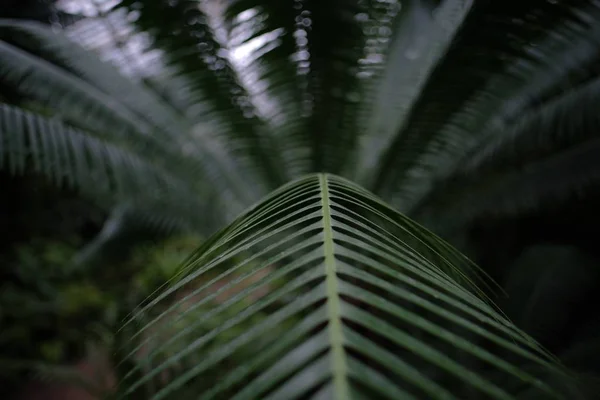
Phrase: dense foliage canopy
(314, 146)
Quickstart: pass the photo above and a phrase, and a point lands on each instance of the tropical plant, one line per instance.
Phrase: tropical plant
(448, 111)
(363, 303)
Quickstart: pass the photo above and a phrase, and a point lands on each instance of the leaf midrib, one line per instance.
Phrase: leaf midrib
(336, 335)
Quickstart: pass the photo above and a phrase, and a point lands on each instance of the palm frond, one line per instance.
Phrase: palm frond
(314, 68)
(360, 302)
(421, 38)
(103, 171)
(336, 44)
(189, 41)
(273, 67)
(121, 112)
(75, 98)
(546, 156)
(506, 74)
(53, 45)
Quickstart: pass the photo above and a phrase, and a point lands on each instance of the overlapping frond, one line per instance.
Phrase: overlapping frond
(336, 46)
(322, 291)
(363, 88)
(511, 57)
(89, 94)
(76, 99)
(420, 40)
(545, 156)
(315, 68)
(448, 109)
(270, 36)
(50, 44)
(183, 30)
(101, 170)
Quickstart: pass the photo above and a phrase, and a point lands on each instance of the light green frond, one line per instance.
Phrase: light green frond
(322, 291)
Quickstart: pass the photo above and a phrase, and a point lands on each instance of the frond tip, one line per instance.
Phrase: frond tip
(322, 291)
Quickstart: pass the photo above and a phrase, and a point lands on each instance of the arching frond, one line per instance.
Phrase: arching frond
(75, 98)
(266, 40)
(511, 57)
(358, 301)
(550, 153)
(103, 171)
(336, 44)
(182, 29)
(421, 38)
(51, 44)
(121, 112)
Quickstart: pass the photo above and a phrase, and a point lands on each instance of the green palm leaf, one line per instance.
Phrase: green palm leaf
(101, 170)
(51, 45)
(420, 41)
(549, 46)
(358, 302)
(94, 97)
(543, 157)
(192, 47)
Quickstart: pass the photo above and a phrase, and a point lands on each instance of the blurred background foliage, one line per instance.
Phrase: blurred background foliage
(476, 118)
